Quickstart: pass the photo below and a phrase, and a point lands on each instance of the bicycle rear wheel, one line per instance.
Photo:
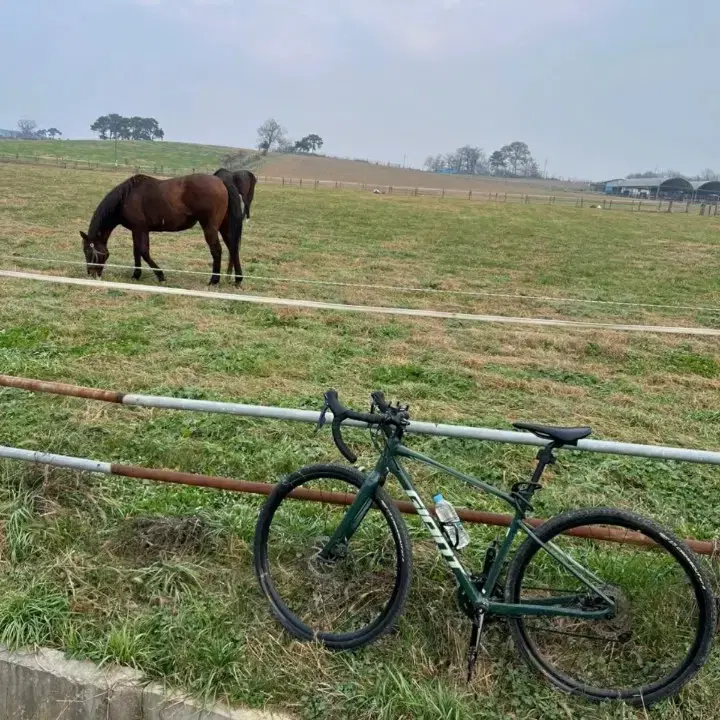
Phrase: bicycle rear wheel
(665, 613)
(352, 599)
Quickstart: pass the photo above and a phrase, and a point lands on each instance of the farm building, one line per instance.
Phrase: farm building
(706, 189)
(651, 187)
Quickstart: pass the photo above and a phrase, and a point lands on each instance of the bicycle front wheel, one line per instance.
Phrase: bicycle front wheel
(355, 597)
(664, 617)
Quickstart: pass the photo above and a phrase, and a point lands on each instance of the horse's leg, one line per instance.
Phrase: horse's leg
(234, 259)
(225, 234)
(137, 244)
(145, 253)
(211, 238)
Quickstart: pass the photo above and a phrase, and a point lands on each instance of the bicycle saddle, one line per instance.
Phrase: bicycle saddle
(564, 435)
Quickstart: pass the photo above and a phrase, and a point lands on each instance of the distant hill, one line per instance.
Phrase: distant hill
(315, 167)
(149, 156)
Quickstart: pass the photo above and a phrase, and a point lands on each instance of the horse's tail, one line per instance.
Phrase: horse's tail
(250, 193)
(235, 212)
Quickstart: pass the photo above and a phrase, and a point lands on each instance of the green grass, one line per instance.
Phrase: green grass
(194, 616)
(130, 153)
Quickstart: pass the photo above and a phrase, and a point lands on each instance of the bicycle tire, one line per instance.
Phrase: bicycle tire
(697, 577)
(400, 539)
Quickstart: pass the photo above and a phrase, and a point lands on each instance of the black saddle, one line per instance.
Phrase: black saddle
(562, 435)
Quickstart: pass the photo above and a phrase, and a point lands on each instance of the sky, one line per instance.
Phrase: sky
(597, 88)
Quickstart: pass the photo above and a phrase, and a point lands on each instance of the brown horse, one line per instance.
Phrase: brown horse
(143, 204)
(245, 183)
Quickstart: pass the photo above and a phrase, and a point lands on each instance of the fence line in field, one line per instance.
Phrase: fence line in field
(578, 200)
(656, 452)
(369, 309)
(702, 547)
(371, 286)
(308, 416)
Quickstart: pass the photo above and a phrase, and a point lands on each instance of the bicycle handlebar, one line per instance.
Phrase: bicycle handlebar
(341, 413)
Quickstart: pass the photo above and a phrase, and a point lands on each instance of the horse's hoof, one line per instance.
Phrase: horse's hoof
(162, 278)
(136, 275)
(238, 282)
(214, 281)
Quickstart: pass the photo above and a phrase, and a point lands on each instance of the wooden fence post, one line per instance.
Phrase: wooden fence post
(582, 200)
(300, 182)
(505, 200)
(687, 207)
(527, 199)
(283, 185)
(389, 189)
(469, 194)
(442, 195)
(670, 204)
(495, 197)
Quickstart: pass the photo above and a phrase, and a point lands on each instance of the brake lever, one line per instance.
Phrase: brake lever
(321, 419)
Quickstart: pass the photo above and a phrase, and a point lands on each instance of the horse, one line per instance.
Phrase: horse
(245, 183)
(144, 204)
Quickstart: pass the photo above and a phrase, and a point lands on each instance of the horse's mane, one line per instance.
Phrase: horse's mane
(106, 211)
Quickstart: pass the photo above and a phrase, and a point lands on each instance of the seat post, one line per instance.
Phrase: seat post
(545, 457)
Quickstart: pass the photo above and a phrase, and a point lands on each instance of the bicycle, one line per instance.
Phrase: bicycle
(635, 627)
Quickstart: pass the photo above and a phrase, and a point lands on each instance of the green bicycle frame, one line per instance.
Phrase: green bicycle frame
(389, 462)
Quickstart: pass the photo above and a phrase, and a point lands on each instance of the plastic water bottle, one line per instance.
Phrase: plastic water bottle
(452, 526)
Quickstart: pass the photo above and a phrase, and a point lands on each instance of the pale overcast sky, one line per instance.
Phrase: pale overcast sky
(598, 87)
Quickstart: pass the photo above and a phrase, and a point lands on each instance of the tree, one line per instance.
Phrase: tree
(301, 146)
(435, 163)
(27, 129)
(498, 163)
(53, 132)
(270, 134)
(470, 160)
(517, 156)
(314, 141)
(102, 127)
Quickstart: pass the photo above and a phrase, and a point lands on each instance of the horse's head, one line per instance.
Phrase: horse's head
(96, 253)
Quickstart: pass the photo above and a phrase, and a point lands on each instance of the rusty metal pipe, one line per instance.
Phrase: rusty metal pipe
(703, 547)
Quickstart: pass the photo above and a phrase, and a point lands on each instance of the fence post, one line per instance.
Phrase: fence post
(283, 185)
(687, 207)
(469, 194)
(495, 197)
(716, 209)
(639, 205)
(670, 204)
(582, 201)
(702, 208)
(527, 199)
(442, 195)
(300, 182)
(317, 183)
(489, 197)
(389, 189)
(416, 192)
(659, 205)
(505, 200)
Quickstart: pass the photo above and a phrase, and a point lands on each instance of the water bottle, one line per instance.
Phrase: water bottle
(450, 521)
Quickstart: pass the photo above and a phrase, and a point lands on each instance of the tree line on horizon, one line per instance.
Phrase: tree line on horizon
(118, 127)
(511, 160)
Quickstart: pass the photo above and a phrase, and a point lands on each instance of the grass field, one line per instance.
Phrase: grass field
(74, 578)
(129, 152)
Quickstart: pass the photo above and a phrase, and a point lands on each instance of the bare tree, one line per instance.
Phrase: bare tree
(27, 128)
(270, 134)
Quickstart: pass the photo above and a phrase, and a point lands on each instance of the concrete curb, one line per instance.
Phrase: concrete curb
(44, 685)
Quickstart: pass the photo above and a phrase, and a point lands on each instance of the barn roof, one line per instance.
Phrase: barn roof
(666, 183)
